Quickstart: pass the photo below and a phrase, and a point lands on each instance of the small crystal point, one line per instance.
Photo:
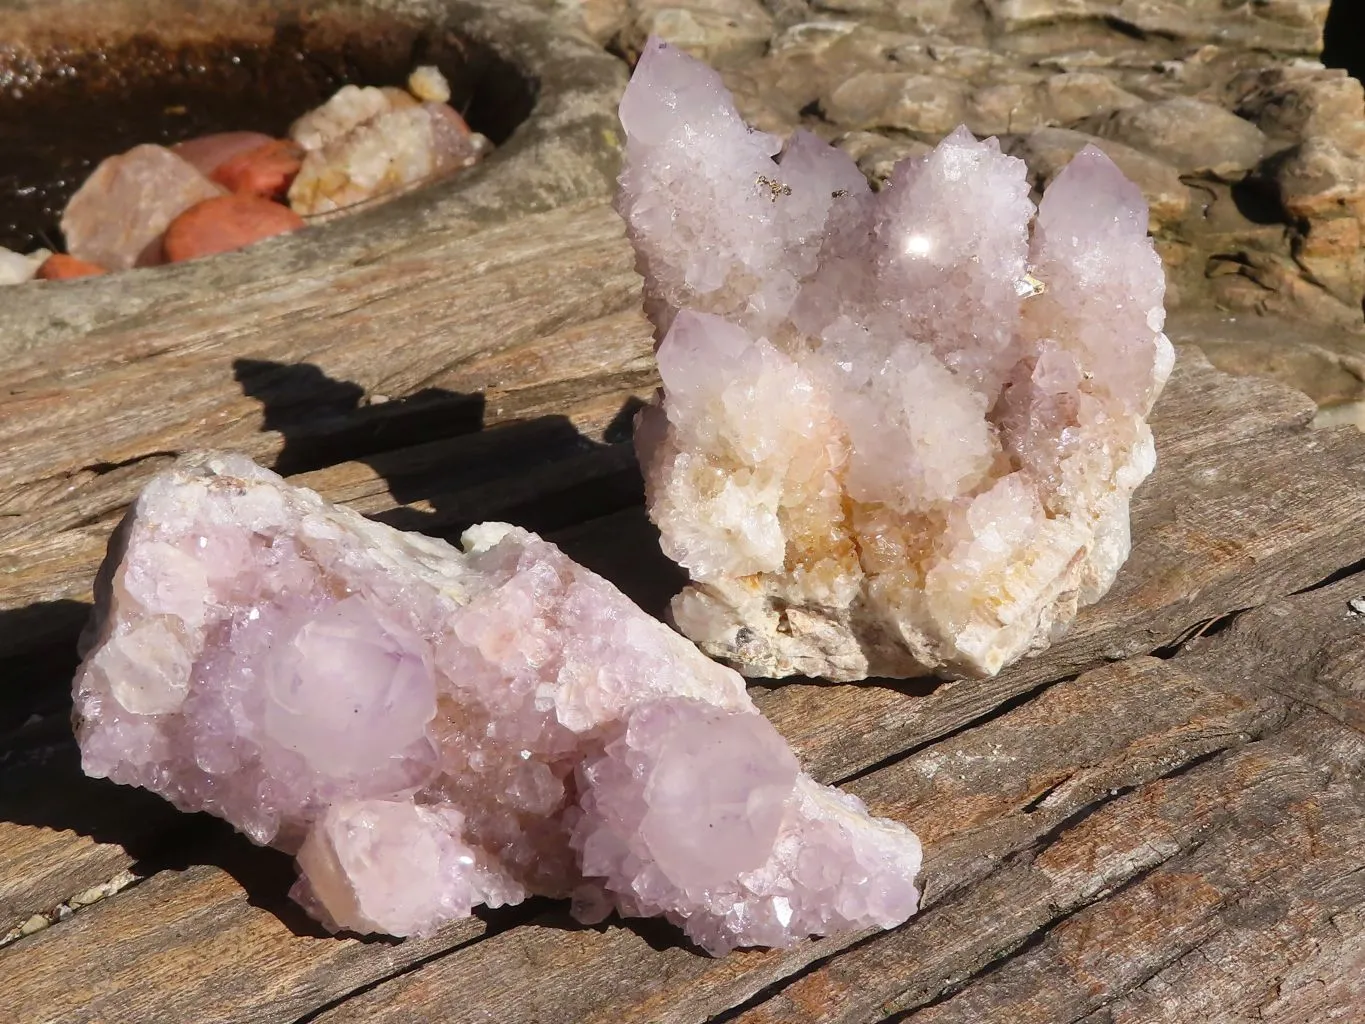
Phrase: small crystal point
(430, 729)
(702, 814)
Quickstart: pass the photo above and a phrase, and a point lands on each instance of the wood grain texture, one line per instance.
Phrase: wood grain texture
(61, 833)
(1094, 798)
(1211, 928)
(189, 945)
(1254, 657)
(970, 939)
(557, 348)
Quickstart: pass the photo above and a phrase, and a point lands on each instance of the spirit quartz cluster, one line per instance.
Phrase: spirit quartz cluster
(429, 729)
(898, 431)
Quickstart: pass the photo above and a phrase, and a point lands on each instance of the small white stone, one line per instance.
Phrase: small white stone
(390, 152)
(19, 268)
(429, 85)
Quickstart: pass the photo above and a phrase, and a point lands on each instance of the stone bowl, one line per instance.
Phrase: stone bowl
(83, 79)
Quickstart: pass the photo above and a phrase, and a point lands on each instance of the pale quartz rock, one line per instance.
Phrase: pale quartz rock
(18, 267)
(400, 147)
(429, 729)
(117, 217)
(898, 432)
(429, 85)
(347, 109)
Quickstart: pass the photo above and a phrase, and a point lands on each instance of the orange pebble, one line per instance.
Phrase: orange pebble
(267, 170)
(61, 267)
(225, 223)
(450, 114)
(209, 152)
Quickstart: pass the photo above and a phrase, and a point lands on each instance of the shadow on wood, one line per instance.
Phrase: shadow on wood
(155, 836)
(325, 421)
(439, 488)
(37, 682)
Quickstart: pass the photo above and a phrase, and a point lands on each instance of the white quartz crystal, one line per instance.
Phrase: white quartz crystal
(348, 108)
(898, 432)
(18, 268)
(369, 143)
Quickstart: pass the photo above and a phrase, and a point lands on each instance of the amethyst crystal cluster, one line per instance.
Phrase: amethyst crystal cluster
(430, 729)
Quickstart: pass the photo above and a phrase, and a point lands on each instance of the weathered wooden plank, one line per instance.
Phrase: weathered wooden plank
(1230, 805)
(1309, 648)
(840, 729)
(543, 473)
(816, 950)
(977, 799)
(97, 493)
(193, 945)
(558, 325)
(1325, 979)
(1213, 931)
(1256, 655)
(1246, 506)
(62, 833)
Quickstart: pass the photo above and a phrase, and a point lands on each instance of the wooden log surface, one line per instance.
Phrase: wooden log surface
(1159, 819)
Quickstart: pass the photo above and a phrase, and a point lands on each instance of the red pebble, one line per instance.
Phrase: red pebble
(267, 170)
(225, 223)
(209, 152)
(61, 267)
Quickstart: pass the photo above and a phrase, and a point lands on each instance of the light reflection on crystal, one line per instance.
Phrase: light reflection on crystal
(918, 245)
